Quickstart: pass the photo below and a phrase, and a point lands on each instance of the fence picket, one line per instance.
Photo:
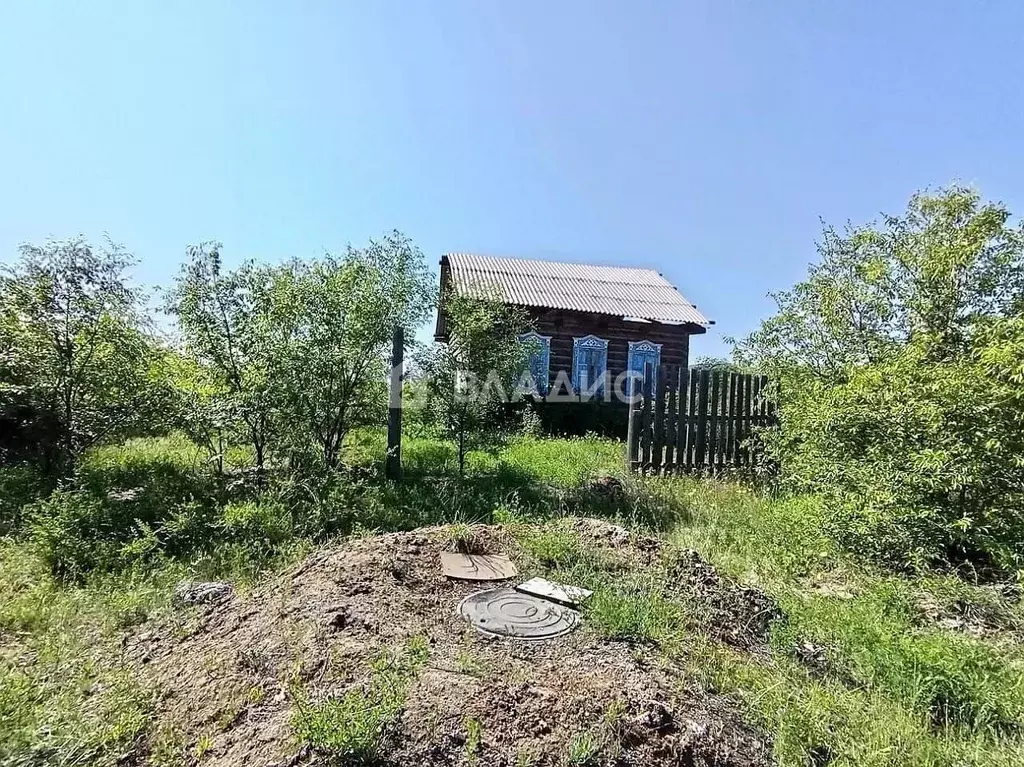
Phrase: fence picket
(672, 420)
(687, 378)
(691, 421)
(658, 445)
(732, 456)
(743, 455)
(715, 422)
(647, 418)
(700, 452)
(698, 420)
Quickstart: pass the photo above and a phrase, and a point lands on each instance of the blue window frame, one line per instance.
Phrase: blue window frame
(640, 354)
(589, 363)
(539, 360)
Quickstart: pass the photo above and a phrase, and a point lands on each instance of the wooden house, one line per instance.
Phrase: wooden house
(591, 324)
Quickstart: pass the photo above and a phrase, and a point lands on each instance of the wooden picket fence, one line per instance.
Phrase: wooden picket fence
(697, 421)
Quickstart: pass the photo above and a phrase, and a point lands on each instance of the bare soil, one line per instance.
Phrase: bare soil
(226, 672)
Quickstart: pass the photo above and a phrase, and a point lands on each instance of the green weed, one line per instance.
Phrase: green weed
(893, 689)
(474, 733)
(203, 746)
(583, 750)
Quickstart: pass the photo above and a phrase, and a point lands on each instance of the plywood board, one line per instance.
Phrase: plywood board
(477, 567)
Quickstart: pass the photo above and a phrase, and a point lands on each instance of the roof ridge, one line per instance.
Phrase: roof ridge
(567, 278)
(550, 261)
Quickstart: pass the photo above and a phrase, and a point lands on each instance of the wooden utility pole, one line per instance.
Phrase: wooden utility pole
(393, 458)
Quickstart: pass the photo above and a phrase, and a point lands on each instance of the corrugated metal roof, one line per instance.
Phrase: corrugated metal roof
(615, 290)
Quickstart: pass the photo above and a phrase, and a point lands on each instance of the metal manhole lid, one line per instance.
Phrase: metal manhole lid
(505, 612)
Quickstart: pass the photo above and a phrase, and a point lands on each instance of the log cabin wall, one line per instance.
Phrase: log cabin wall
(563, 326)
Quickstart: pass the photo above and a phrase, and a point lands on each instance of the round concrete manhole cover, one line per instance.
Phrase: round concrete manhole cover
(505, 612)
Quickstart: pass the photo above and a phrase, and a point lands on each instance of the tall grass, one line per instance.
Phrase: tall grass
(64, 695)
(892, 686)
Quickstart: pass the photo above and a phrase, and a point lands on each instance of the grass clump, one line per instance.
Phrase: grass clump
(892, 686)
(629, 602)
(557, 549)
(635, 609)
(65, 697)
(353, 727)
(584, 749)
(601, 744)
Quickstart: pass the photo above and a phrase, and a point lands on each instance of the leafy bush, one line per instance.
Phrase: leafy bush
(19, 486)
(920, 460)
(268, 523)
(77, 532)
(899, 365)
(289, 358)
(130, 501)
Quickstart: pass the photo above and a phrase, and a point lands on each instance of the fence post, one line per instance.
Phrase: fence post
(393, 457)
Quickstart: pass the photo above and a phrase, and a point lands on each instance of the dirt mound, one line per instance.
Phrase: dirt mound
(232, 674)
(738, 615)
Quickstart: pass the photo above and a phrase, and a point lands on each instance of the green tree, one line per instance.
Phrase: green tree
(74, 354)
(926, 277)
(224, 322)
(295, 354)
(470, 377)
(897, 364)
(717, 365)
(332, 321)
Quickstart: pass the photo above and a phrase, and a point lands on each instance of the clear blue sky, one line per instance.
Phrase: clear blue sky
(703, 139)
